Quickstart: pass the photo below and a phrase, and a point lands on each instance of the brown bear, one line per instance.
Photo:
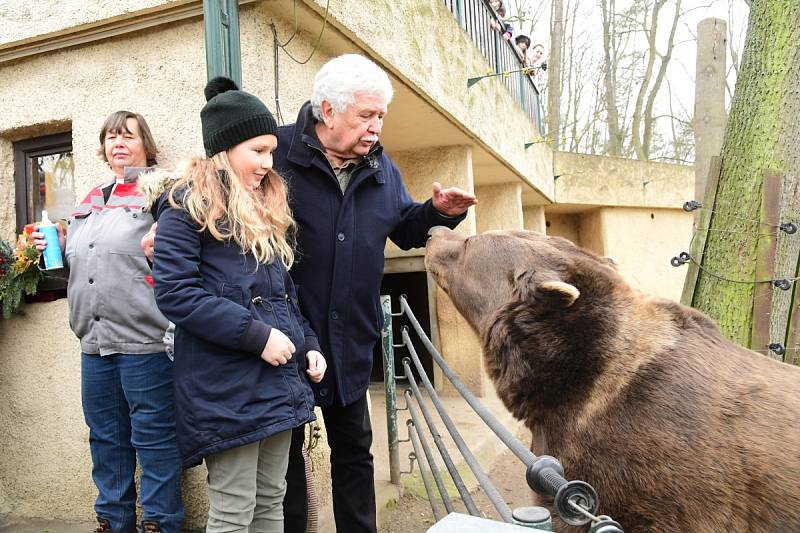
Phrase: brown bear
(677, 429)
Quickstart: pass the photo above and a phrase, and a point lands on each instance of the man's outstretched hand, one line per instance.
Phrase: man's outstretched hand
(453, 201)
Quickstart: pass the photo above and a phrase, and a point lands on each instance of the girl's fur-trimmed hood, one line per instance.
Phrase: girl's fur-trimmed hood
(154, 184)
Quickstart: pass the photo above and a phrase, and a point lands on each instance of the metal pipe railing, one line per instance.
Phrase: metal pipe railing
(426, 448)
(413, 435)
(461, 487)
(491, 492)
(576, 502)
(519, 449)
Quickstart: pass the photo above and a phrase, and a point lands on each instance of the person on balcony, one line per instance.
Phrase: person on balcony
(348, 197)
(126, 375)
(499, 24)
(537, 66)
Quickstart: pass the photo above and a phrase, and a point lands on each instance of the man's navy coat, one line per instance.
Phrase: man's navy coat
(341, 239)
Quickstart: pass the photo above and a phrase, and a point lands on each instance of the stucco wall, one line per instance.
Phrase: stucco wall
(31, 18)
(563, 225)
(449, 165)
(159, 73)
(641, 241)
(594, 235)
(7, 211)
(533, 218)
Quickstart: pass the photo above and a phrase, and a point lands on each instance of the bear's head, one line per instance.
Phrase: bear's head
(485, 273)
(546, 311)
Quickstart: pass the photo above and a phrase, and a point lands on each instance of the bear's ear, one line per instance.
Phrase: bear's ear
(558, 293)
(553, 292)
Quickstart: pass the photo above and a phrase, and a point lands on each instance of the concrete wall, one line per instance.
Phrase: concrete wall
(564, 225)
(452, 166)
(598, 180)
(499, 207)
(533, 218)
(449, 165)
(629, 210)
(32, 18)
(640, 240)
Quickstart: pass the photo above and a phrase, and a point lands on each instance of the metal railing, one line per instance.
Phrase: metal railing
(475, 18)
(575, 502)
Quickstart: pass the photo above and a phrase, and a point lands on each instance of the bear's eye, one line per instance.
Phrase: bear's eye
(521, 274)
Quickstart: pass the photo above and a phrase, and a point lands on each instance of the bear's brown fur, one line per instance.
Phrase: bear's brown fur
(678, 429)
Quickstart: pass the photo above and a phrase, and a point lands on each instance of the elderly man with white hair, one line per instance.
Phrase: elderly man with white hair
(347, 197)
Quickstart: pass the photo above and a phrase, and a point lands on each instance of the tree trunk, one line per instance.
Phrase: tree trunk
(554, 74)
(609, 79)
(761, 137)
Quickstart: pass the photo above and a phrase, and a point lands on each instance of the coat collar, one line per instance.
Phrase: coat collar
(305, 148)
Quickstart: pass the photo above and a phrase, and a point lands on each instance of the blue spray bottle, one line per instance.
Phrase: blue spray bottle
(52, 252)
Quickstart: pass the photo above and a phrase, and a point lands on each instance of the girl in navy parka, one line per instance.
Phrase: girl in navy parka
(243, 351)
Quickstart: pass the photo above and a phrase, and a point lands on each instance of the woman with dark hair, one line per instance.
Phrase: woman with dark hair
(126, 375)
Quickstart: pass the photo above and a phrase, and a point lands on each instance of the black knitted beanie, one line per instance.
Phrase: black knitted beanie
(231, 116)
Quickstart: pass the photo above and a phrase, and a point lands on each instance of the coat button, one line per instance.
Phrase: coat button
(335, 315)
(323, 392)
(91, 281)
(340, 237)
(97, 319)
(91, 246)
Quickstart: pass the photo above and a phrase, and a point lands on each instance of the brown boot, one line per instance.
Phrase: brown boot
(151, 526)
(103, 526)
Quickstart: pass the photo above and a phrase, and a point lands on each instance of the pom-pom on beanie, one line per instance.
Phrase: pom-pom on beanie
(231, 116)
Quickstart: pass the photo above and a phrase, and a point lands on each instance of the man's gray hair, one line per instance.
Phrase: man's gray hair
(342, 78)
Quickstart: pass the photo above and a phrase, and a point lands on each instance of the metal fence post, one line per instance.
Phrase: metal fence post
(391, 390)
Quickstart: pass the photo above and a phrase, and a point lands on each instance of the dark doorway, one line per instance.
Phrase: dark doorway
(414, 285)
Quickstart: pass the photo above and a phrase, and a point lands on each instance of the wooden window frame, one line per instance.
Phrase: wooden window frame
(52, 287)
(26, 201)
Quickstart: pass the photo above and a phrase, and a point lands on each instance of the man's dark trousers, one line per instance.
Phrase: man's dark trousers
(349, 433)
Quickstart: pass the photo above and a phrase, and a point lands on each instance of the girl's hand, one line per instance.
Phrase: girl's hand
(279, 348)
(316, 366)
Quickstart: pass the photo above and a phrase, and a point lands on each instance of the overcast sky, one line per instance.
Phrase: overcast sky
(681, 73)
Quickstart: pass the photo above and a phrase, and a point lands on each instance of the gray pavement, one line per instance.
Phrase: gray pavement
(35, 525)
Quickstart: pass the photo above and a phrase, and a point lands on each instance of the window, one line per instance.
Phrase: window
(43, 175)
(44, 179)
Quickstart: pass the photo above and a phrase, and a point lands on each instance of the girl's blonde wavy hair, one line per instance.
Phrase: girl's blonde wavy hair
(258, 221)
